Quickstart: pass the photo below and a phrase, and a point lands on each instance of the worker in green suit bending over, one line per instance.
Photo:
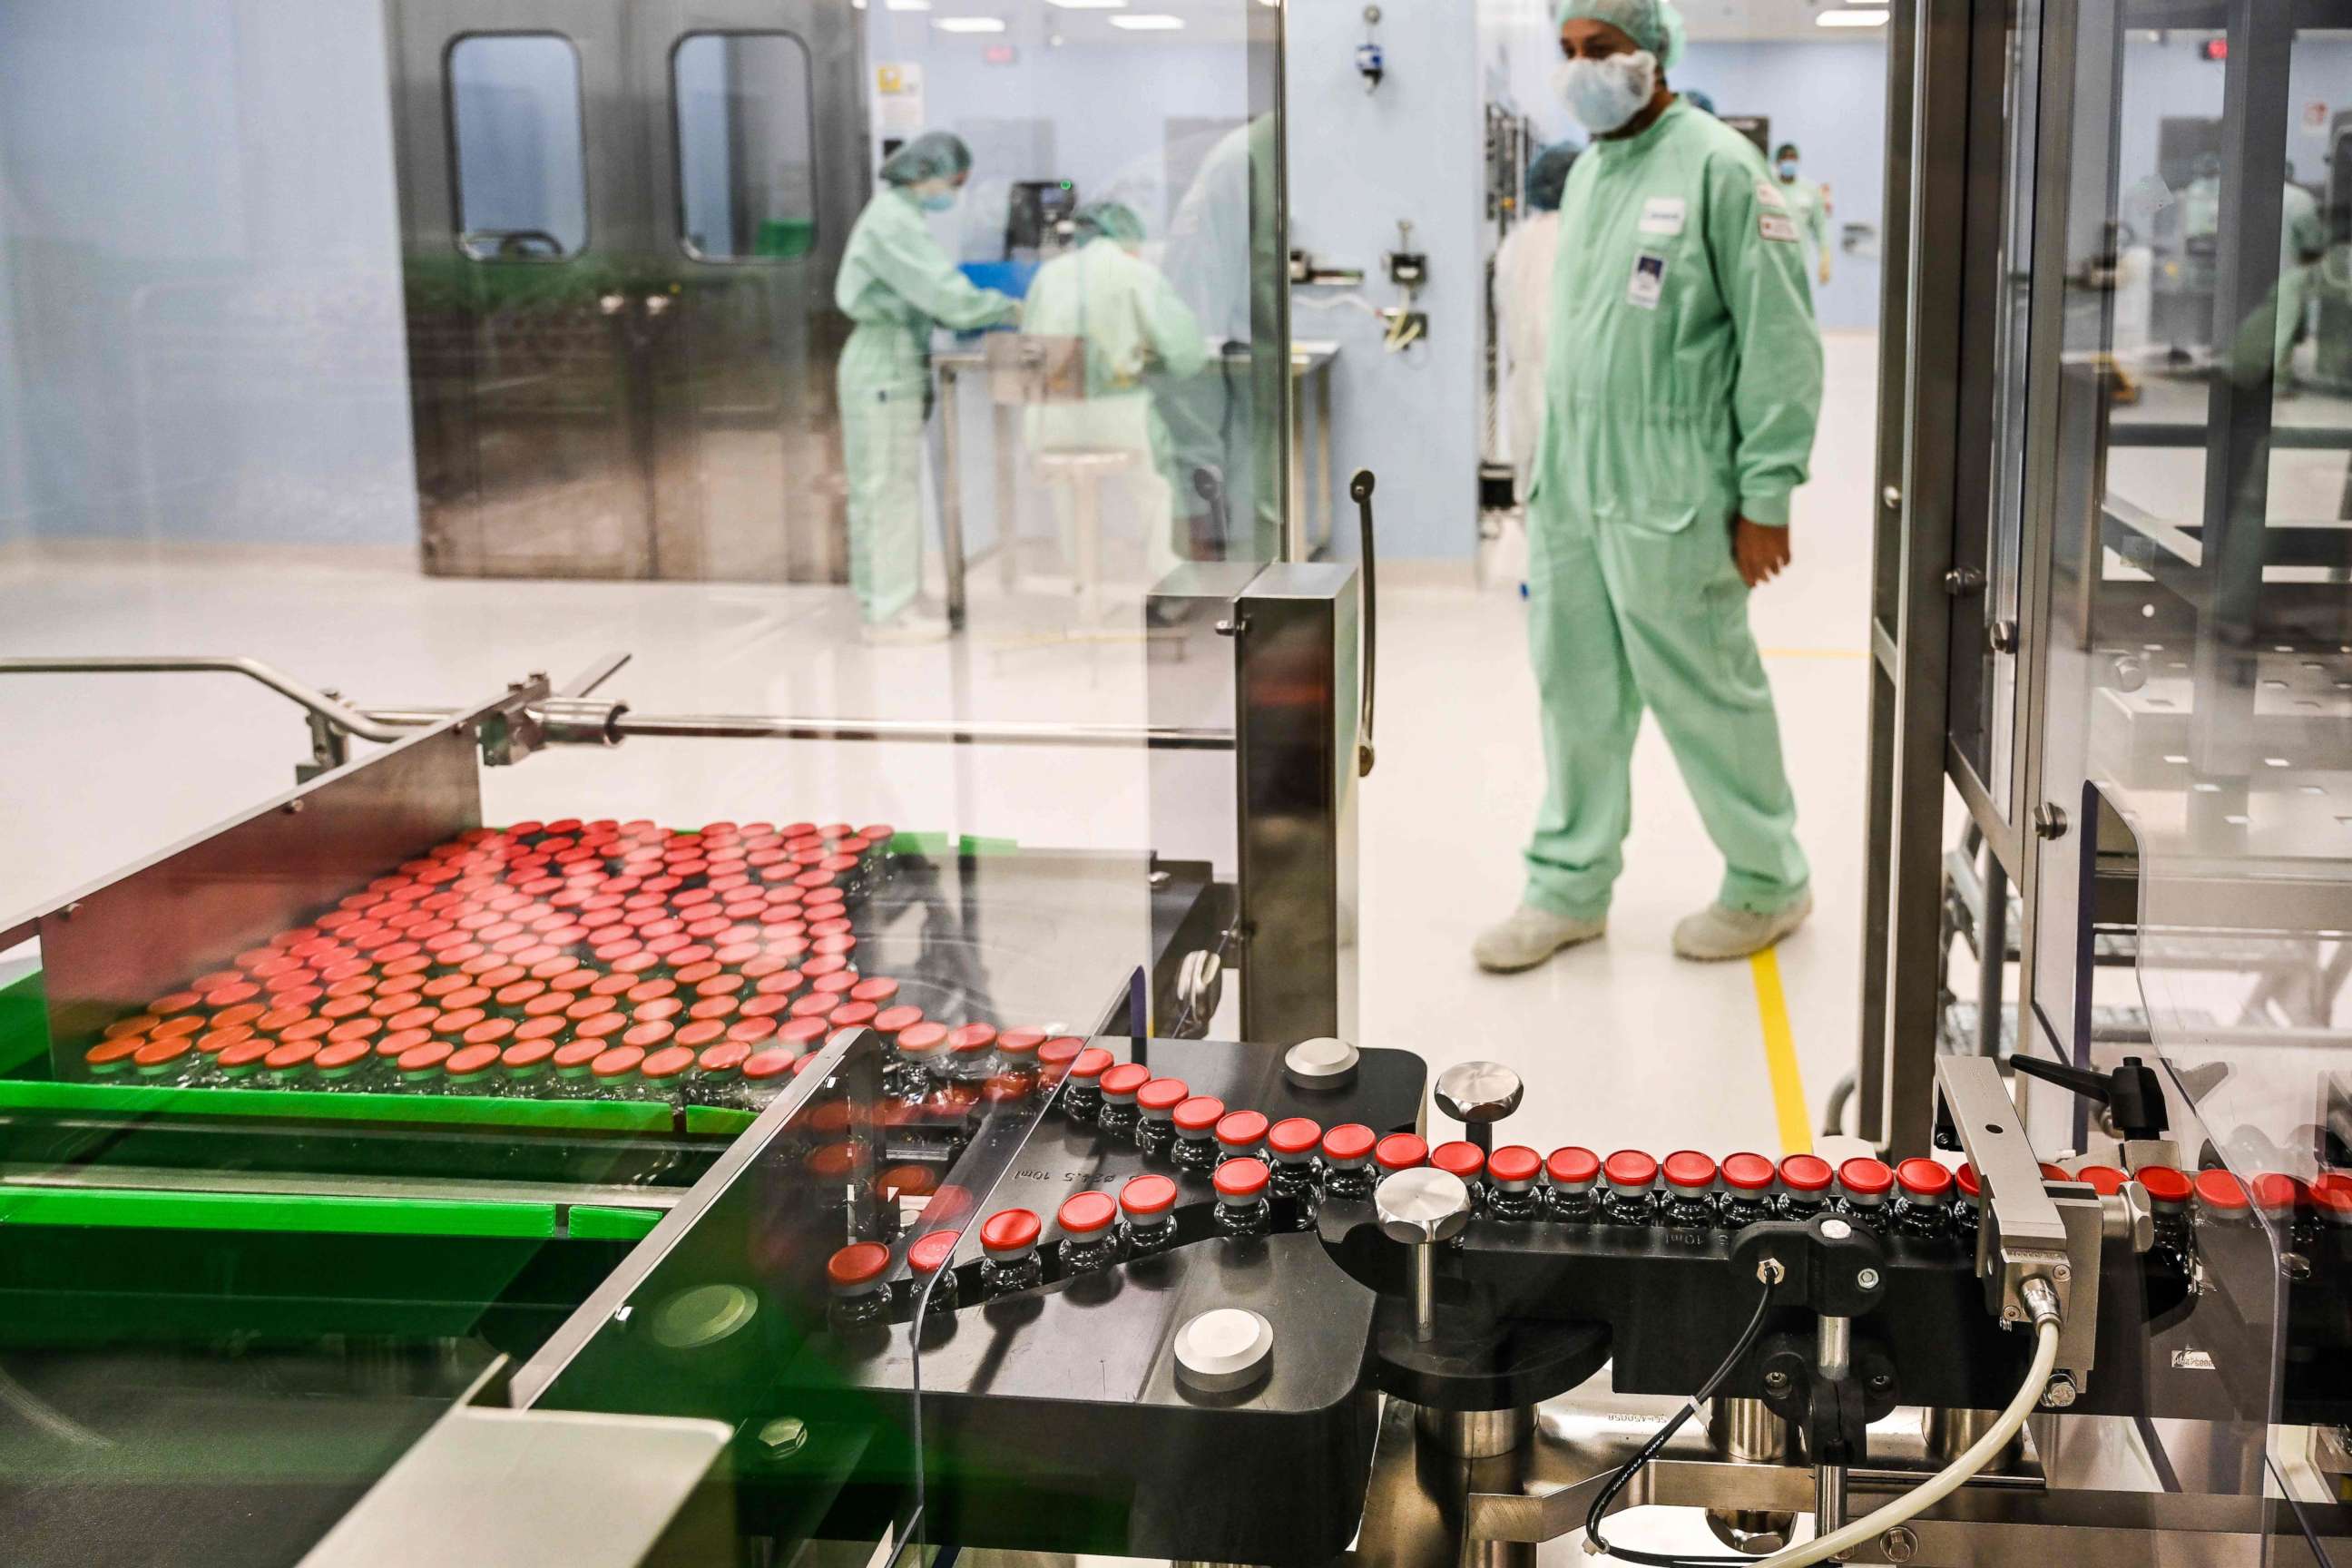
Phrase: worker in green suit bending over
(1684, 383)
(896, 285)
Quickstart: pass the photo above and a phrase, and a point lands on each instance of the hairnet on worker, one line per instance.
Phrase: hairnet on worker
(1546, 175)
(934, 155)
(1653, 25)
(1114, 221)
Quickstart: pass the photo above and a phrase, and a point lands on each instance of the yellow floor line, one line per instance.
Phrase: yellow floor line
(1781, 1056)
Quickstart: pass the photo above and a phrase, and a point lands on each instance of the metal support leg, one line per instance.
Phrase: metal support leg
(952, 549)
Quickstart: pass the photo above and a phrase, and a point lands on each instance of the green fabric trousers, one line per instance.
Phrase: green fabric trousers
(1624, 616)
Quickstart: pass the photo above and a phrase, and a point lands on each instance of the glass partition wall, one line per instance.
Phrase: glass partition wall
(2187, 758)
(905, 392)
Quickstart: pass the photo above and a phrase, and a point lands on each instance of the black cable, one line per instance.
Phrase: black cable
(1658, 1440)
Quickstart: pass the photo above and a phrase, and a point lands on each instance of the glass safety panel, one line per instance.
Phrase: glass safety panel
(702, 530)
(2196, 875)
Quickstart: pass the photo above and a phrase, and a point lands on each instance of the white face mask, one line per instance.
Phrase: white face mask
(1604, 94)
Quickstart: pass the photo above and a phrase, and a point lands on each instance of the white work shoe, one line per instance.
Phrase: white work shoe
(1717, 933)
(906, 629)
(1530, 936)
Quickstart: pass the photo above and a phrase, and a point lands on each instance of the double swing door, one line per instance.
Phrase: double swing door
(620, 225)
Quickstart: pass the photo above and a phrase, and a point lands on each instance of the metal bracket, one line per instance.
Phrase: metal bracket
(2026, 1232)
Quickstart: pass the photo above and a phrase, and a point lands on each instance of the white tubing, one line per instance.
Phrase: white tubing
(1945, 1482)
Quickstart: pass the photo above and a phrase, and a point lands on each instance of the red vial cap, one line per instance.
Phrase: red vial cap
(399, 1044)
(854, 1016)
(1630, 1168)
(877, 989)
(2050, 1172)
(1059, 1053)
(1086, 1214)
(2278, 1193)
(857, 1267)
(1747, 1173)
(895, 1020)
(1931, 1179)
(245, 1053)
(1125, 1081)
(1400, 1151)
(668, 1062)
(1162, 1095)
(1020, 1042)
(1514, 1167)
(922, 1039)
(425, 1058)
(2164, 1184)
(700, 1033)
(1241, 1129)
(1240, 1181)
(471, 1060)
(2104, 1180)
(345, 1054)
(529, 1054)
(115, 1050)
(764, 1065)
(1200, 1114)
(2330, 1193)
(1294, 1137)
(1689, 1170)
(1807, 1173)
(970, 1040)
(1864, 1177)
(1146, 1196)
(617, 1062)
(1572, 1167)
(1349, 1144)
(1967, 1179)
(1462, 1158)
(932, 1253)
(1009, 1232)
(287, 1056)
(2221, 1190)
(1090, 1064)
(729, 1055)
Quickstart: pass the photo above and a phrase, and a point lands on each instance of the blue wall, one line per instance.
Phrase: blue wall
(1830, 101)
(1358, 163)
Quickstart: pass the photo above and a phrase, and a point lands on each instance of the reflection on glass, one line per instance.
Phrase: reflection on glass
(514, 114)
(747, 171)
(1119, 324)
(2199, 725)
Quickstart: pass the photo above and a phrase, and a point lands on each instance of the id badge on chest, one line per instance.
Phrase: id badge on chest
(1648, 283)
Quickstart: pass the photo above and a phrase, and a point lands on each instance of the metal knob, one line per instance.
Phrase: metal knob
(1423, 1209)
(1479, 1095)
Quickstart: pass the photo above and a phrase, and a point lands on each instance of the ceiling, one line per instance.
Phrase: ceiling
(1033, 24)
(1744, 21)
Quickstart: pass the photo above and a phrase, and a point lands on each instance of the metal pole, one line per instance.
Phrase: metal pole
(1424, 1294)
(1992, 952)
(759, 726)
(1833, 1355)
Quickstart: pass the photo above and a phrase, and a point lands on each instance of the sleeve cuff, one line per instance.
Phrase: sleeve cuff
(1771, 510)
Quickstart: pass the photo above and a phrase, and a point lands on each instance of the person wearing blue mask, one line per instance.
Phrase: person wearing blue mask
(896, 285)
(1682, 390)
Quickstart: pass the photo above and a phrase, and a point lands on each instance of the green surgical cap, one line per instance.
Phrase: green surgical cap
(1654, 25)
(1112, 220)
(934, 155)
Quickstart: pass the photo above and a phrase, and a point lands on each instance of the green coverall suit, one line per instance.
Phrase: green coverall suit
(895, 284)
(1683, 388)
(1133, 321)
(1805, 206)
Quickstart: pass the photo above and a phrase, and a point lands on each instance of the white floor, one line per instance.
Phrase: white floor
(1621, 1043)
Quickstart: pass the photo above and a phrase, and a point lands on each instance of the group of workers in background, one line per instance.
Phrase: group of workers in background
(1666, 300)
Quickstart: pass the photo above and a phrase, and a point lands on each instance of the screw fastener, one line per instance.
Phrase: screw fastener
(2061, 1392)
(1867, 1279)
(1899, 1544)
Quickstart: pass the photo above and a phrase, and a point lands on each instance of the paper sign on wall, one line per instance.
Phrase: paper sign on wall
(899, 99)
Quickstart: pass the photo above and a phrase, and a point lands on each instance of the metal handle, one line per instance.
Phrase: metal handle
(1360, 490)
(277, 681)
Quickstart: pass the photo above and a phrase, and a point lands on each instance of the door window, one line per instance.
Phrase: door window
(521, 173)
(746, 138)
